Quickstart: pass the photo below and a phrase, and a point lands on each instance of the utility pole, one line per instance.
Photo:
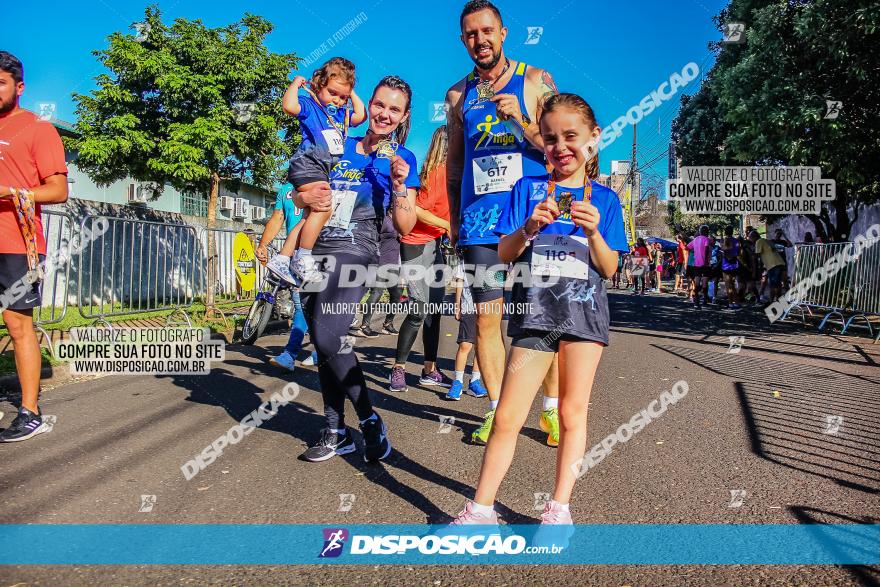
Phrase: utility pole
(633, 197)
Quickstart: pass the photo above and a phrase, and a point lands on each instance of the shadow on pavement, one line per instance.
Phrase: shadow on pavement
(868, 576)
(803, 417)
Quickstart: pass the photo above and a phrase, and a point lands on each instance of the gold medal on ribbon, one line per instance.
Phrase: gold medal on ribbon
(485, 91)
(564, 203)
(387, 148)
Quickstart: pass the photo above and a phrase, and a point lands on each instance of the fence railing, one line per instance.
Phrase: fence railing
(853, 289)
(58, 230)
(137, 266)
(227, 287)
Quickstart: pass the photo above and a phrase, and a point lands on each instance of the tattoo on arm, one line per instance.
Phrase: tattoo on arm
(401, 202)
(546, 88)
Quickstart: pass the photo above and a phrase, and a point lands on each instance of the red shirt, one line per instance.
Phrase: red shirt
(682, 252)
(30, 151)
(432, 197)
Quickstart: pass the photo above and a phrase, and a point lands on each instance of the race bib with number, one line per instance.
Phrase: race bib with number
(562, 255)
(496, 173)
(343, 206)
(334, 141)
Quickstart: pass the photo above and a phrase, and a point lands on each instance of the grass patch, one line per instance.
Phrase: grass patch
(73, 318)
(7, 361)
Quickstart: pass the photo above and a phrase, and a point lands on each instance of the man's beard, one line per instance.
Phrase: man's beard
(493, 61)
(7, 107)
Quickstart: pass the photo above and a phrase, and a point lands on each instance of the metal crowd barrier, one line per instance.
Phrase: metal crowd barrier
(138, 266)
(58, 232)
(854, 289)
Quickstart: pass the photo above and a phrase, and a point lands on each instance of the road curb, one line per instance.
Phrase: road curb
(50, 376)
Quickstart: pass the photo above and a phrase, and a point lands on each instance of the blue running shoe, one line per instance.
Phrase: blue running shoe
(477, 389)
(454, 392)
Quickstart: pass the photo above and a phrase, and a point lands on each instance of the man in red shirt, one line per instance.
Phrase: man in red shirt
(681, 258)
(32, 172)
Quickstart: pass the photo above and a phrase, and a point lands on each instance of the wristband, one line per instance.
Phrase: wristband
(526, 234)
(396, 194)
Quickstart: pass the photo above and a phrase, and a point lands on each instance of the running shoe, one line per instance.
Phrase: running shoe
(280, 266)
(454, 392)
(397, 379)
(26, 425)
(376, 445)
(556, 526)
(435, 378)
(388, 328)
(330, 445)
(306, 269)
(469, 517)
(367, 332)
(311, 359)
(477, 389)
(549, 423)
(283, 360)
(481, 434)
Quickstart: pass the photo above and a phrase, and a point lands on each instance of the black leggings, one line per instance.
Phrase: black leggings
(329, 314)
(427, 254)
(394, 295)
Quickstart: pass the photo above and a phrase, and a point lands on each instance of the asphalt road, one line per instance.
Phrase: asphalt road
(752, 421)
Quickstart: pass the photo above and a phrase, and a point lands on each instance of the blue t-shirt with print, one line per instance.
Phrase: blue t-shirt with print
(315, 119)
(284, 202)
(571, 306)
(369, 176)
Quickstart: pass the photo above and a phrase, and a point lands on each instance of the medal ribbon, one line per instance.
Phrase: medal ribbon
(25, 212)
(330, 120)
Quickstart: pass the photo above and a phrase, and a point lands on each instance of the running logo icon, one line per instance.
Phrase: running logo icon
(438, 111)
(334, 540)
(737, 497)
(733, 32)
(833, 424)
(832, 109)
(147, 503)
(533, 35)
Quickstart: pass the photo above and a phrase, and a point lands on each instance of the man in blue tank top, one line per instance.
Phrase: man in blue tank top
(493, 141)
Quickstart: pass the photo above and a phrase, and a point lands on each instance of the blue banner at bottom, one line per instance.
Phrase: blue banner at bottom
(640, 544)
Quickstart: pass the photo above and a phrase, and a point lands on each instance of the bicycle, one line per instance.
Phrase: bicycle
(273, 297)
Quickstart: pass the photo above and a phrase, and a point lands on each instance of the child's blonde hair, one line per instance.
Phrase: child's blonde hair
(336, 67)
(575, 102)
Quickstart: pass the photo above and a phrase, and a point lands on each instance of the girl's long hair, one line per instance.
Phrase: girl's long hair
(575, 102)
(395, 83)
(436, 153)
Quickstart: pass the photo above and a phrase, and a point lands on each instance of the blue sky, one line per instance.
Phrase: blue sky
(611, 53)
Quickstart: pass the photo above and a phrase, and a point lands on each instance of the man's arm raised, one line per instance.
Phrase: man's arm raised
(455, 156)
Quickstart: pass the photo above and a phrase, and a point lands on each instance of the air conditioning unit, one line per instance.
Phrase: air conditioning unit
(240, 208)
(258, 212)
(226, 202)
(137, 194)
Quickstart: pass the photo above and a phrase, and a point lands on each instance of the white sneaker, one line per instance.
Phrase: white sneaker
(283, 360)
(280, 266)
(311, 359)
(306, 270)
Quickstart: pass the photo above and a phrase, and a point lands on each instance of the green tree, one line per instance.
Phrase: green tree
(176, 109)
(690, 224)
(764, 101)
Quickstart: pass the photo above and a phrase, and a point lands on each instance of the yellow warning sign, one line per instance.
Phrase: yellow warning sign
(245, 262)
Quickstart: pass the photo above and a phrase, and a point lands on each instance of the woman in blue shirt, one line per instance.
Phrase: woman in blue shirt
(375, 174)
